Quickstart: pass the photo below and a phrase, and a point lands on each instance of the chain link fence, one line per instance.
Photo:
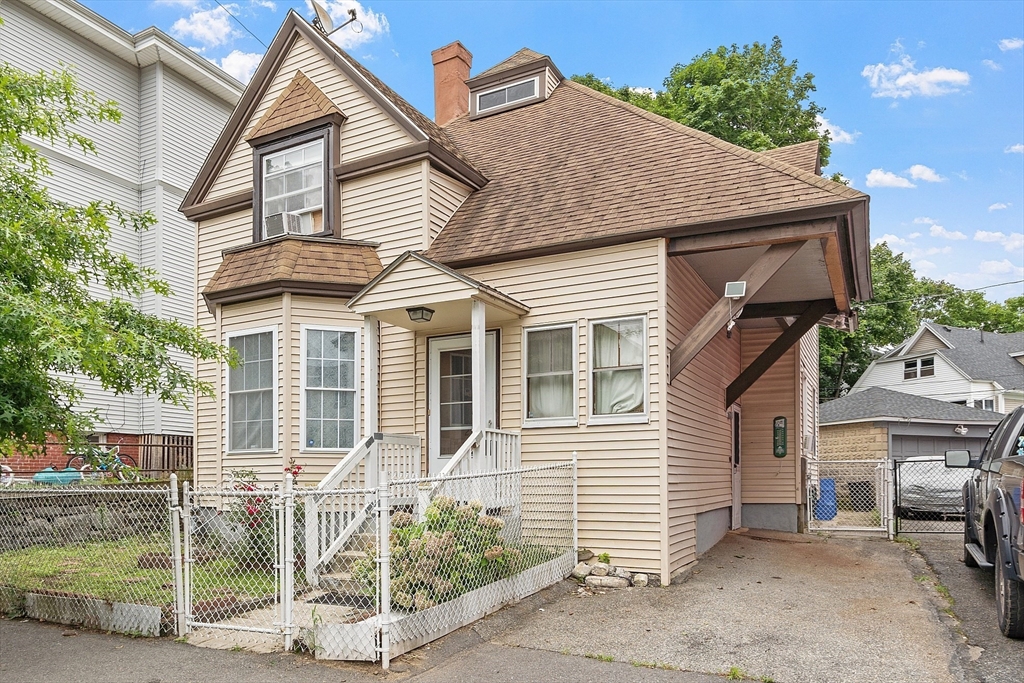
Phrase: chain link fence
(848, 495)
(89, 555)
(929, 496)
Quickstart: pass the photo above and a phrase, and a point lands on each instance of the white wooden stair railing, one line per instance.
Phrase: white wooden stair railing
(486, 450)
(345, 497)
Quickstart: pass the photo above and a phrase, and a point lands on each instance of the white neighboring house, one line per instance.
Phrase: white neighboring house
(969, 367)
(173, 105)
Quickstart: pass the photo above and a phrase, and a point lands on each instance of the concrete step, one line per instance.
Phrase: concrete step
(341, 582)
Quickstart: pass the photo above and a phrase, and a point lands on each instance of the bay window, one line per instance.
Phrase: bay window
(330, 384)
(252, 403)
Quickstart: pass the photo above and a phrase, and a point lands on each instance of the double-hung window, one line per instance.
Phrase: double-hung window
(330, 384)
(293, 190)
(550, 383)
(251, 392)
(618, 366)
(922, 367)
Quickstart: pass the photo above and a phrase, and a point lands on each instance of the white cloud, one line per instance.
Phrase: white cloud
(240, 64)
(1003, 267)
(186, 4)
(835, 133)
(892, 240)
(924, 265)
(880, 178)
(988, 273)
(939, 231)
(923, 220)
(902, 79)
(1011, 44)
(368, 26)
(998, 206)
(995, 66)
(265, 4)
(922, 172)
(649, 92)
(210, 27)
(913, 235)
(1015, 149)
(1014, 242)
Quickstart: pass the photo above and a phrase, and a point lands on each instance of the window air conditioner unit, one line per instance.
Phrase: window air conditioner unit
(281, 223)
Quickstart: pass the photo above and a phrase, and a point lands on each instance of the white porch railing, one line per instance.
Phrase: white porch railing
(486, 450)
(343, 499)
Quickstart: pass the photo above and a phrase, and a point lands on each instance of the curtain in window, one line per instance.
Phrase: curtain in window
(618, 367)
(549, 378)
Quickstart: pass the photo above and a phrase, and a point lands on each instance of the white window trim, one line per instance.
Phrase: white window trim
(626, 418)
(536, 94)
(228, 336)
(357, 415)
(569, 421)
(918, 368)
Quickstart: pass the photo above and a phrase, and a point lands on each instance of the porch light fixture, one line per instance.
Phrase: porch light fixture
(736, 290)
(961, 430)
(420, 314)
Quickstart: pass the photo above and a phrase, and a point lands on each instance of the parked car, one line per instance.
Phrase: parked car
(927, 489)
(994, 523)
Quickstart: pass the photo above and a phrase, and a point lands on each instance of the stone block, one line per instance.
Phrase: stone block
(640, 580)
(582, 570)
(607, 582)
(600, 569)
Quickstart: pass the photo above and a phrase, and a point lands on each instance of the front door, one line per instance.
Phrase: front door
(737, 496)
(450, 389)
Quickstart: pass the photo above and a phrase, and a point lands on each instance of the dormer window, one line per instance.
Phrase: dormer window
(506, 94)
(293, 190)
(922, 367)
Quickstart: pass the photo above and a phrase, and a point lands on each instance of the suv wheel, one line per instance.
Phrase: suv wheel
(1009, 599)
(969, 560)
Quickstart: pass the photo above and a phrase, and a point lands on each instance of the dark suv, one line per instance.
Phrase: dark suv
(994, 519)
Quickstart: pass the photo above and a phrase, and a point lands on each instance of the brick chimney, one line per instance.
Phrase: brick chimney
(451, 71)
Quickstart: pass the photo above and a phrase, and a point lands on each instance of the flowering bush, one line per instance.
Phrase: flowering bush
(455, 550)
(255, 515)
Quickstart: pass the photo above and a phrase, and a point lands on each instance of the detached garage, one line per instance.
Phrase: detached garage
(879, 424)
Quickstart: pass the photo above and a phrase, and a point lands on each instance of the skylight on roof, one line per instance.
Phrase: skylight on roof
(507, 94)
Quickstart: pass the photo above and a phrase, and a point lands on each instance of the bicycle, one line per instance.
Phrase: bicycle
(100, 461)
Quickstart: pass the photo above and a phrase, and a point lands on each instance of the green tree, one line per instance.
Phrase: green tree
(750, 96)
(52, 256)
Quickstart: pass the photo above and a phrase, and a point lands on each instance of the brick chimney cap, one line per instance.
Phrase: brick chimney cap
(453, 49)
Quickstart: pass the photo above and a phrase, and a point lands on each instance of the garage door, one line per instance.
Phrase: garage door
(905, 446)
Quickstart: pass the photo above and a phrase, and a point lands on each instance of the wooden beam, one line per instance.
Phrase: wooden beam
(781, 309)
(784, 342)
(708, 326)
(752, 237)
(836, 276)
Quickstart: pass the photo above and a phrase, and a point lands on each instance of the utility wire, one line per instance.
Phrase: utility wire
(940, 296)
(239, 22)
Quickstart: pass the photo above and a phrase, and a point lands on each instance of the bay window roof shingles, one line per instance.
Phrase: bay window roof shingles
(581, 167)
(304, 264)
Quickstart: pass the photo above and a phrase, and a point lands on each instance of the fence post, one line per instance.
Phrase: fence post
(186, 523)
(384, 567)
(288, 560)
(575, 504)
(892, 478)
(179, 581)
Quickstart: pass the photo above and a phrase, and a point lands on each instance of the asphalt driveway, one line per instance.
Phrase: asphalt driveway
(987, 655)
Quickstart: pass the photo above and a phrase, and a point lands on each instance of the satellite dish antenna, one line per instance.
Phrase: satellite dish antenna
(323, 20)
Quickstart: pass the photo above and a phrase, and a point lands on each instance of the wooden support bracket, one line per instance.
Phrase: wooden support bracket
(708, 326)
(784, 342)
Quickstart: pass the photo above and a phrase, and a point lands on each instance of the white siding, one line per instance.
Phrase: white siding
(948, 384)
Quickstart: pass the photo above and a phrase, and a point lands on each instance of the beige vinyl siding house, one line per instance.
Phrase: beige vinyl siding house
(581, 327)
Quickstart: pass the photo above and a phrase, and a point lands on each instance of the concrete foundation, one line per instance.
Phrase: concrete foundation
(712, 526)
(773, 516)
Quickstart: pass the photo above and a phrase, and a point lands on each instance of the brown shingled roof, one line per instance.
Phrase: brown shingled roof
(803, 155)
(582, 166)
(301, 101)
(523, 56)
(312, 264)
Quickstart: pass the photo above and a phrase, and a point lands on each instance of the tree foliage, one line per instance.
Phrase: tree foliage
(901, 301)
(68, 302)
(750, 96)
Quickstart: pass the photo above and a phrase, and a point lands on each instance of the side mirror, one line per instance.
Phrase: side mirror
(958, 458)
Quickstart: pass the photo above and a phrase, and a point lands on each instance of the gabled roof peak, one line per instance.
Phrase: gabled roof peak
(522, 56)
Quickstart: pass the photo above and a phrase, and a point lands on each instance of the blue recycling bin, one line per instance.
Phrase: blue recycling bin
(51, 476)
(826, 507)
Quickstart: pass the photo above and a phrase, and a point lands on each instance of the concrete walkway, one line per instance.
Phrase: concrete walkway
(842, 610)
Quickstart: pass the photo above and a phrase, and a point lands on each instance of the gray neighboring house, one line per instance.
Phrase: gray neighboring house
(879, 424)
(173, 104)
(956, 365)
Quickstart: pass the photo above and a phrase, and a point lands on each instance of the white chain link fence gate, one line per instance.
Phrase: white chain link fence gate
(849, 495)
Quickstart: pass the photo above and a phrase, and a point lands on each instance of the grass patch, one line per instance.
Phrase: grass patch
(735, 674)
(911, 543)
(599, 657)
(109, 570)
(653, 665)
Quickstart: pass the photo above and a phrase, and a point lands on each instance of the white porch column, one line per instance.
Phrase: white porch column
(371, 374)
(478, 335)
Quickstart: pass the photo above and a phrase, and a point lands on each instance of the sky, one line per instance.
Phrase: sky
(924, 101)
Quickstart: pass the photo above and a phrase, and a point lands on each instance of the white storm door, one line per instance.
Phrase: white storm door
(450, 395)
(737, 496)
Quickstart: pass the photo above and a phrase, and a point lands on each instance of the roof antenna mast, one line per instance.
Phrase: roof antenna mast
(323, 22)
